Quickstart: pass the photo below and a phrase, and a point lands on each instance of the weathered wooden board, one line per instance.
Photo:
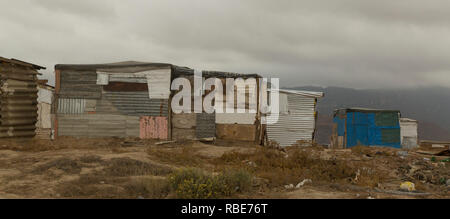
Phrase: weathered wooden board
(236, 132)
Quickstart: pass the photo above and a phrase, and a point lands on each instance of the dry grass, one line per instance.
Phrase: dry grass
(150, 188)
(91, 159)
(283, 169)
(181, 156)
(120, 167)
(115, 181)
(76, 190)
(39, 145)
(65, 164)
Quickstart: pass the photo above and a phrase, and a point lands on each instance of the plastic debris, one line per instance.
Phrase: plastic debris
(303, 183)
(290, 186)
(402, 153)
(408, 186)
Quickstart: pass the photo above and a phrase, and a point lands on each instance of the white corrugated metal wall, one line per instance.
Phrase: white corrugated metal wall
(297, 124)
(408, 132)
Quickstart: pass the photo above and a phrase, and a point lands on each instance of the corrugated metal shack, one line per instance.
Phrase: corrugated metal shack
(408, 132)
(126, 99)
(366, 127)
(45, 99)
(220, 125)
(238, 126)
(18, 103)
(132, 99)
(296, 124)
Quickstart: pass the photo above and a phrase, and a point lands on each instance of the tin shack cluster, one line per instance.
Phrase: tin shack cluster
(133, 99)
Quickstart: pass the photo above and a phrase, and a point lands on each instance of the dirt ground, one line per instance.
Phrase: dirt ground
(123, 168)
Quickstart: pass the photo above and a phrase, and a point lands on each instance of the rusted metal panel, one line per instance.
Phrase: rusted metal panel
(184, 120)
(71, 106)
(236, 132)
(183, 134)
(137, 104)
(236, 118)
(18, 98)
(79, 84)
(158, 80)
(153, 127)
(98, 125)
(297, 125)
(205, 125)
(125, 87)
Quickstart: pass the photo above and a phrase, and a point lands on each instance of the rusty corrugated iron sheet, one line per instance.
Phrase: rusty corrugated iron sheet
(18, 98)
(137, 104)
(205, 125)
(154, 127)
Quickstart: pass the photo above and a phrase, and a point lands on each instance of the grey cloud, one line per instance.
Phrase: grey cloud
(361, 44)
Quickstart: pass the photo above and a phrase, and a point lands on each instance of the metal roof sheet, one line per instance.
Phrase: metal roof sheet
(20, 62)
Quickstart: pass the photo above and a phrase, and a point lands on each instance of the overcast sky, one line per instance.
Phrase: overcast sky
(359, 44)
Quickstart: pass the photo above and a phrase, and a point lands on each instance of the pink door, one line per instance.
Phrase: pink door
(154, 128)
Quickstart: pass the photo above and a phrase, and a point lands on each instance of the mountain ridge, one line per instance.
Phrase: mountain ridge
(428, 105)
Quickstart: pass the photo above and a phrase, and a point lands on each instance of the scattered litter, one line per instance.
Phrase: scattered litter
(415, 193)
(408, 186)
(446, 160)
(291, 186)
(443, 153)
(165, 142)
(252, 164)
(402, 153)
(358, 173)
(440, 153)
(303, 183)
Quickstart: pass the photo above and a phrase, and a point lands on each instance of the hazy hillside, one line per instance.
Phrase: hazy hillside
(431, 106)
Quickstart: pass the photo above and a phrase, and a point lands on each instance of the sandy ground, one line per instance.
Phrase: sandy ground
(44, 169)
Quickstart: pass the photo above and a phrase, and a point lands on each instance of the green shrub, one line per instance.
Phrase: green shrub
(197, 184)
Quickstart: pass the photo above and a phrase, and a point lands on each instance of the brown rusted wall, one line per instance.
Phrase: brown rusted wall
(153, 128)
(18, 99)
(125, 87)
(183, 126)
(236, 132)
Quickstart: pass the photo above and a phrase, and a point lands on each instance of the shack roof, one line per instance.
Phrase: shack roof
(134, 66)
(367, 110)
(303, 93)
(22, 63)
(408, 120)
(111, 66)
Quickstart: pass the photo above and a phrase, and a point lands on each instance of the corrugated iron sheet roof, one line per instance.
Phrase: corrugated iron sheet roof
(111, 66)
(368, 110)
(303, 93)
(221, 74)
(19, 62)
(134, 66)
(408, 120)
